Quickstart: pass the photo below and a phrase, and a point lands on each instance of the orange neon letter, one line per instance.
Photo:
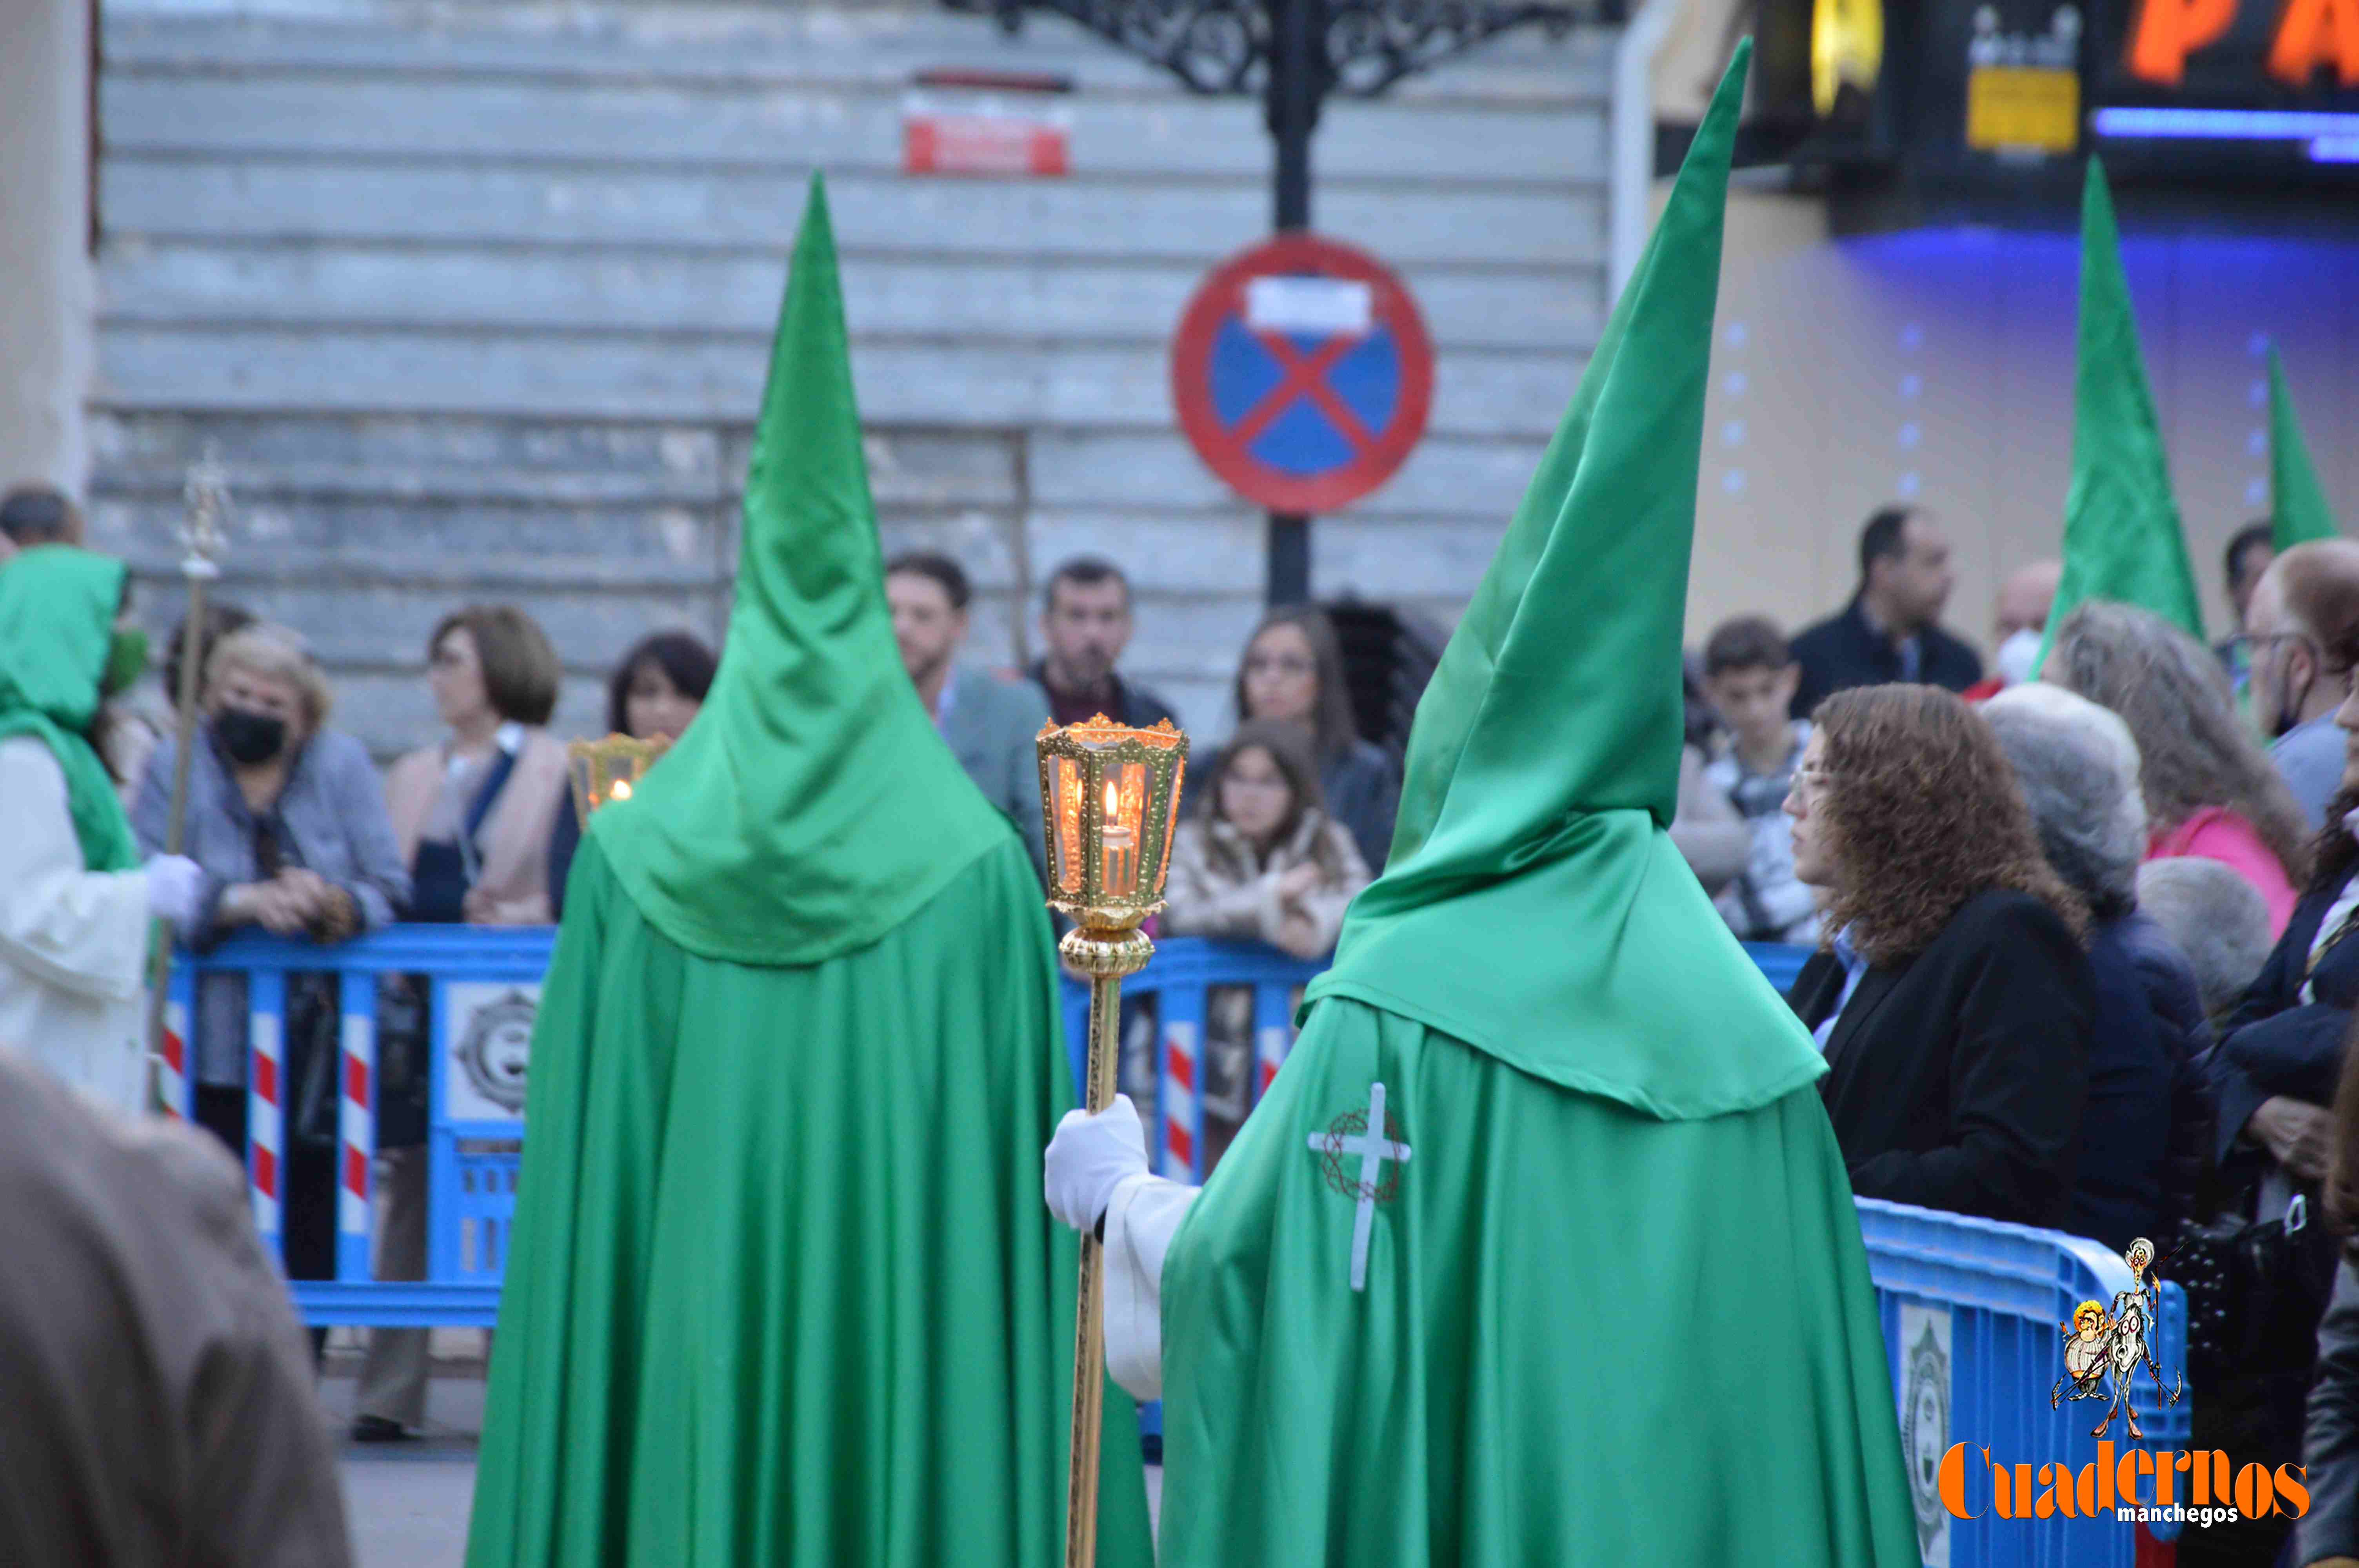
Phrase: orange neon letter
(2290, 1489)
(2167, 31)
(2314, 33)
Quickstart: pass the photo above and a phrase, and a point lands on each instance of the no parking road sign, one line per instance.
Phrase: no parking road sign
(1302, 373)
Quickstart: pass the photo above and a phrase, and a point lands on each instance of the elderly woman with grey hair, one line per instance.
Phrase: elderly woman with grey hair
(2215, 918)
(2078, 769)
(2210, 789)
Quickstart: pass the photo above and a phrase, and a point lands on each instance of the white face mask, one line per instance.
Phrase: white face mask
(2014, 655)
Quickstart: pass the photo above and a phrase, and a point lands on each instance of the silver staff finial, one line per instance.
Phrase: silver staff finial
(201, 532)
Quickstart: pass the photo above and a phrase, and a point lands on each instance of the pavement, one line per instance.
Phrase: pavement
(408, 1501)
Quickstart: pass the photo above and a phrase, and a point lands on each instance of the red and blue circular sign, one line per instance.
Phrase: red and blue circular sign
(1302, 373)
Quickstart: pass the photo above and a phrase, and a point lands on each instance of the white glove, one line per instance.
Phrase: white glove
(175, 882)
(1089, 1157)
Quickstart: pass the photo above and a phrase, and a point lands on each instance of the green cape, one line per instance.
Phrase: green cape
(810, 681)
(1617, 1309)
(57, 605)
(2122, 538)
(782, 1289)
(2298, 508)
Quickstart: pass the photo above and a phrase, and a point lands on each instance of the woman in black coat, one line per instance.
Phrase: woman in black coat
(1954, 1001)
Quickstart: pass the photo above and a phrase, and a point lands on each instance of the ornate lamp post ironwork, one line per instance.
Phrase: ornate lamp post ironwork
(1295, 54)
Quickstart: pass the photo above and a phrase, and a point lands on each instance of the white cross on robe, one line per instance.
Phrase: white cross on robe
(1374, 1149)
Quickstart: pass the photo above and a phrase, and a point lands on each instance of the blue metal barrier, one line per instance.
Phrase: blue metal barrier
(482, 986)
(1970, 1309)
(1195, 1063)
(1973, 1313)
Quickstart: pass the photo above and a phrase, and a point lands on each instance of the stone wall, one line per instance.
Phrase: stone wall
(474, 303)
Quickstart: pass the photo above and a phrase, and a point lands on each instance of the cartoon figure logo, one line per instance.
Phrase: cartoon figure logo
(2102, 1344)
(496, 1050)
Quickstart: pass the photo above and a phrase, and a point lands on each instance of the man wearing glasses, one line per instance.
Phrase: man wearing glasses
(2307, 602)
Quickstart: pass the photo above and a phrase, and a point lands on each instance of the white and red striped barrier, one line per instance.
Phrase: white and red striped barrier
(1179, 1105)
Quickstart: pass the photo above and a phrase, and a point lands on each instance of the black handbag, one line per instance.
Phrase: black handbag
(314, 1054)
(2256, 1290)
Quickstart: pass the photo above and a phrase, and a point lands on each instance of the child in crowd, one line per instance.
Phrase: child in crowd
(1750, 675)
(1263, 862)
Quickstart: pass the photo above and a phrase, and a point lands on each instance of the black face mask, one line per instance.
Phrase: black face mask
(249, 738)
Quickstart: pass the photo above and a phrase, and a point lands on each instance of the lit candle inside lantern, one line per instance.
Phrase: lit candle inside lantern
(1120, 866)
(622, 790)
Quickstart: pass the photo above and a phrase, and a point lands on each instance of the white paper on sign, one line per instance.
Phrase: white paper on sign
(1316, 307)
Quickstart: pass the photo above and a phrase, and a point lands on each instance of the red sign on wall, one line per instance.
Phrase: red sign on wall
(982, 138)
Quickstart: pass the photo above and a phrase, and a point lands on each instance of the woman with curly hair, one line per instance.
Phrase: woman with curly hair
(1953, 1002)
(2210, 789)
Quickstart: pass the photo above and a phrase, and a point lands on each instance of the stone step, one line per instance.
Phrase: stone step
(600, 208)
(755, 46)
(595, 477)
(381, 457)
(451, 288)
(961, 384)
(396, 113)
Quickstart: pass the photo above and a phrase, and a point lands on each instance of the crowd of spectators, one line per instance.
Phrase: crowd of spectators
(2077, 931)
(2079, 927)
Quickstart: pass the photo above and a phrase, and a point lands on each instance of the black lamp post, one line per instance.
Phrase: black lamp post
(1295, 53)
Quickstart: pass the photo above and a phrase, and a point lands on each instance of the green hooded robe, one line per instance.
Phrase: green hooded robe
(1616, 1310)
(57, 605)
(781, 1289)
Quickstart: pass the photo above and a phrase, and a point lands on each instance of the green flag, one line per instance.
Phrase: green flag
(2122, 537)
(1618, 1252)
(782, 1288)
(2297, 509)
(809, 680)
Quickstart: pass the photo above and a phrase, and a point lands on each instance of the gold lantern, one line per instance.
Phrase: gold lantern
(610, 769)
(1109, 794)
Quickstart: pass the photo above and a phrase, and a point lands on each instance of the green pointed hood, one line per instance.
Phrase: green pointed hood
(812, 807)
(2297, 509)
(57, 605)
(2122, 538)
(1534, 905)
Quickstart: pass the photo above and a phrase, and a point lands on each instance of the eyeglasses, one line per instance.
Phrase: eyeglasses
(2246, 647)
(1810, 783)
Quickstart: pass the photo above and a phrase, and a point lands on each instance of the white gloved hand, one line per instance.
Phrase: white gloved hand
(175, 882)
(1089, 1157)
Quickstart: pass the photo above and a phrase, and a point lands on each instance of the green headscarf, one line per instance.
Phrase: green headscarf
(1534, 905)
(57, 605)
(812, 807)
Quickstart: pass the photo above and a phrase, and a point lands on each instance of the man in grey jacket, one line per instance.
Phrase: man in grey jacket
(989, 724)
